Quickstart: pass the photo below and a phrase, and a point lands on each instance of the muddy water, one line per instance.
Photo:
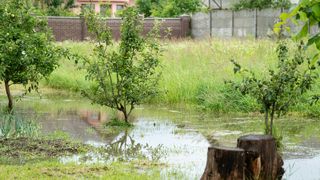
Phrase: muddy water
(182, 135)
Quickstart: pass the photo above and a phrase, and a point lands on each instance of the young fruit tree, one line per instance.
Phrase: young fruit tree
(124, 74)
(307, 14)
(26, 50)
(282, 87)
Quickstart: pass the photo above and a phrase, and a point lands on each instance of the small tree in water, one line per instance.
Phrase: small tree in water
(27, 53)
(125, 74)
(282, 87)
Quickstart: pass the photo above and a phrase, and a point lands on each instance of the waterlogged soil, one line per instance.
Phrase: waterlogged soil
(27, 149)
(175, 136)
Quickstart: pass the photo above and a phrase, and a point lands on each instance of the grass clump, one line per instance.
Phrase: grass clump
(118, 123)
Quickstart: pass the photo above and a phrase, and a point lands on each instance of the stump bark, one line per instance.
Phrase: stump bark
(261, 157)
(224, 164)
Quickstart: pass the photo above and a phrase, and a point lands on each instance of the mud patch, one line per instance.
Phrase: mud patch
(23, 149)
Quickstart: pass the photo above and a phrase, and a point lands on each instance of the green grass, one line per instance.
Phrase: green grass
(68, 76)
(57, 170)
(193, 72)
(118, 123)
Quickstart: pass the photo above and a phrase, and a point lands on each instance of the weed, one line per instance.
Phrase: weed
(16, 126)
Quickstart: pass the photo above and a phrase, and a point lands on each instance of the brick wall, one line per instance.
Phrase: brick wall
(74, 28)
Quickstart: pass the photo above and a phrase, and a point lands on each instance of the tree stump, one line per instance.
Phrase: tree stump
(261, 157)
(224, 164)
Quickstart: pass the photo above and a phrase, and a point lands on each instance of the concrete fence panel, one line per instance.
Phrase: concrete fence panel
(222, 23)
(200, 25)
(266, 19)
(245, 23)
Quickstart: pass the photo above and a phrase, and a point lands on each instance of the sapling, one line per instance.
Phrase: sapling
(124, 74)
(282, 87)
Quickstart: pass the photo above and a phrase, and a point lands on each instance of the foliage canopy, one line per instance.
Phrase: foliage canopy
(168, 8)
(51, 7)
(27, 53)
(261, 4)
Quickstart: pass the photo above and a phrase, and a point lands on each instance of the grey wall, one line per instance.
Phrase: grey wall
(227, 23)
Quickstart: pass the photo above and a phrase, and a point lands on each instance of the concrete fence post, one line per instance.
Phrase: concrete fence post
(232, 24)
(210, 19)
(256, 23)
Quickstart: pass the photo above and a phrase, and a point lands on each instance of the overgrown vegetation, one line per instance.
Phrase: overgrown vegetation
(283, 87)
(261, 4)
(194, 72)
(27, 53)
(51, 7)
(126, 74)
(168, 8)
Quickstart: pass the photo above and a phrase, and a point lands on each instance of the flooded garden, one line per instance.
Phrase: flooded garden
(176, 138)
(145, 107)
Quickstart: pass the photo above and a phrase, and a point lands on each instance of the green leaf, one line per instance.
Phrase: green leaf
(303, 16)
(284, 16)
(277, 27)
(314, 59)
(303, 32)
(318, 44)
(316, 10)
(315, 40)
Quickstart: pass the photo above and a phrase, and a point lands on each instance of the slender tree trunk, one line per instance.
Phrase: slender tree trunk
(266, 121)
(126, 117)
(271, 122)
(10, 101)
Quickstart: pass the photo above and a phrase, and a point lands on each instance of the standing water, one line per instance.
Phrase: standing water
(180, 136)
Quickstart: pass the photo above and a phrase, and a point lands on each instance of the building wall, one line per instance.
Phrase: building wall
(98, 3)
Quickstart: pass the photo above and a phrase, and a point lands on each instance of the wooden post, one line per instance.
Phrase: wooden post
(224, 164)
(261, 148)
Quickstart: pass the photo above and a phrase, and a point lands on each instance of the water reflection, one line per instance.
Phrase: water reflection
(93, 118)
(81, 125)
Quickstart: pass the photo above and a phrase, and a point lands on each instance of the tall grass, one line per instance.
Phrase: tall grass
(68, 76)
(193, 72)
